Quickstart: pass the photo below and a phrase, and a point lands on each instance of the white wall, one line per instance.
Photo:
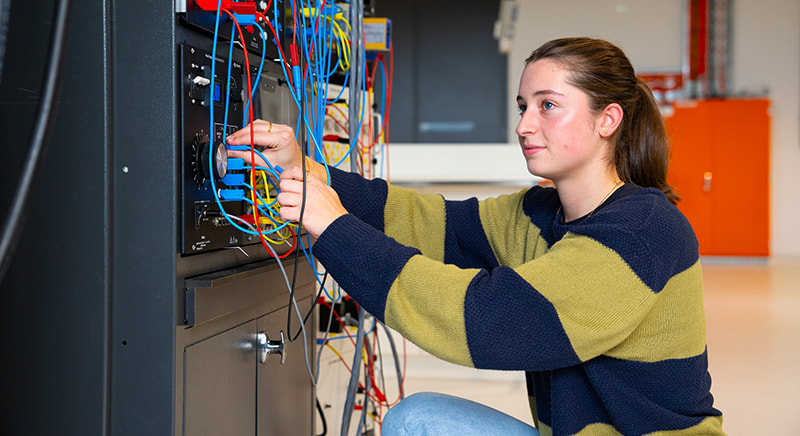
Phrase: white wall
(766, 55)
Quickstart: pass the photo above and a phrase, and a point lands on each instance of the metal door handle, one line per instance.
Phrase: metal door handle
(707, 177)
(267, 347)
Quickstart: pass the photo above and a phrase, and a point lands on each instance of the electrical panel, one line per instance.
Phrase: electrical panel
(211, 109)
(204, 225)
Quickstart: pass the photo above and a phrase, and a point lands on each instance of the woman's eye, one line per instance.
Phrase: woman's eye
(547, 105)
(522, 109)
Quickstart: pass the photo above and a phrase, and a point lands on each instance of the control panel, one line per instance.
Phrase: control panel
(217, 204)
(211, 109)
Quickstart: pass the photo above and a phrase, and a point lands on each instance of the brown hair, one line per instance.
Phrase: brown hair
(601, 69)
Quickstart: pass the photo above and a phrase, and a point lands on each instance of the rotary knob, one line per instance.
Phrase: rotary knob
(211, 159)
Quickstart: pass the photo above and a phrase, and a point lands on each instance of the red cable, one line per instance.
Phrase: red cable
(385, 129)
(294, 244)
(380, 397)
(295, 23)
(341, 323)
(338, 123)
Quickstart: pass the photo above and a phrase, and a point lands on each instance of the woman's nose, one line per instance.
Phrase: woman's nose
(526, 125)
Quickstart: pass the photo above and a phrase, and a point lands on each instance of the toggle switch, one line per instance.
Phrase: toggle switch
(201, 81)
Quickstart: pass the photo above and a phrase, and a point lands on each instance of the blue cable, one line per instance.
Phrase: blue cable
(322, 39)
(354, 138)
(282, 61)
(228, 81)
(309, 253)
(383, 108)
(264, 205)
(314, 127)
(211, 123)
(345, 336)
(272, 170)
(280, 226)
(295, 96)
(232, 220)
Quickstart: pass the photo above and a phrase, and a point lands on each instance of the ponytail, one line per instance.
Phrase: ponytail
(604, 73)
(642, 150)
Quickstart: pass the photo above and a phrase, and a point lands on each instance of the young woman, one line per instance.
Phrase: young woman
(593, 288)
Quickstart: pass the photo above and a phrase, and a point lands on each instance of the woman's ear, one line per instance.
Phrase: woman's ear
(610, 119)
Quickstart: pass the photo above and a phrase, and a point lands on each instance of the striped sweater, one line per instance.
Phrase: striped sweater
(604, 315)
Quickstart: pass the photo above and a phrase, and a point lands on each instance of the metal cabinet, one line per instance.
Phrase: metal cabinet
(220, 388)
(720, 168)
(243, 372)
(284, 394)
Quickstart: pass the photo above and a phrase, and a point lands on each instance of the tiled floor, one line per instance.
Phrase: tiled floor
(753, 335)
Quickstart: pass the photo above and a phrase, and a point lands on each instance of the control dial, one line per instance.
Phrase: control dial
(205, 150)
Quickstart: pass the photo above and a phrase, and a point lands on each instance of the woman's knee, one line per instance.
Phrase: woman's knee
(401, 417)
(430, 413)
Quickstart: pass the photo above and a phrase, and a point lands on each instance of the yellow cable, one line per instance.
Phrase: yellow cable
(342, 40)
(265, 200)
(328, 344)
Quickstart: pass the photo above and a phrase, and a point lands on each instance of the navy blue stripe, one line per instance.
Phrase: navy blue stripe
(468, 247)
(542, 205)
(363, 260)
(363, 198)
(642, 397)
(650, 234)
(511, 326)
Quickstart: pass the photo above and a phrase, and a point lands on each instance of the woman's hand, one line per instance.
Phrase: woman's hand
(281, 147)
(322, 205)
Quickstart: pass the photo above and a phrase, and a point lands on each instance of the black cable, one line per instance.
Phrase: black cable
(5, 9)
(396, 360)
(367, 387)
(352, 387)
(12, 230)
(311, 309)
(302, 212)
(379, 359)
(322, 417)
(297, 250)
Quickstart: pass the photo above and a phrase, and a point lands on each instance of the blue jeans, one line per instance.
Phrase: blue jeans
(433, 414)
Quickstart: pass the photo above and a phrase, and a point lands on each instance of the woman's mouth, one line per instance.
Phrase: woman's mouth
(530, 150)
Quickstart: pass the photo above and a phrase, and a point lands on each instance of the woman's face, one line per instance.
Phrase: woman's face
(558, 133)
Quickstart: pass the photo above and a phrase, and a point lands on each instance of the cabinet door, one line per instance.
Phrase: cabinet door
(285, 392)
(220, 392)
(740, 187)
(692, 158)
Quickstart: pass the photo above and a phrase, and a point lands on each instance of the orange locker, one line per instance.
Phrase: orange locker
(720, 168)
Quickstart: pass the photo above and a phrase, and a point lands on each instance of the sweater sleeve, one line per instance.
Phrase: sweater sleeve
(364, 198)
(448, 231)
(461, 315)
